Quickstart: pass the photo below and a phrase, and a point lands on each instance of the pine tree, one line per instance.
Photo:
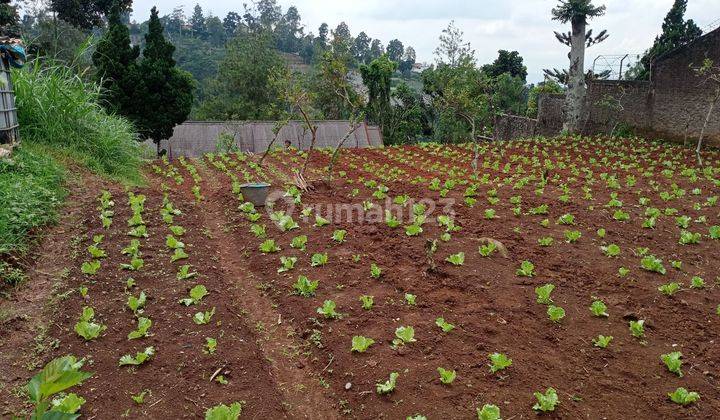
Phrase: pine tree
(197, 23)
(167, 92)
(115, 61)
(676, 33)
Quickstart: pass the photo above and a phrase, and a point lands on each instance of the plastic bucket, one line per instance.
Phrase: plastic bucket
(256, 192)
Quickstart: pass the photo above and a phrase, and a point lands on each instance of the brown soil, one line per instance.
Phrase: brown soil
(285, 360)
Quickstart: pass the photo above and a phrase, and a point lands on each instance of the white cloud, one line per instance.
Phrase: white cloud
(490, 25)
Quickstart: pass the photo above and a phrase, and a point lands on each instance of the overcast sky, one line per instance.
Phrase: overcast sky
(489, 25)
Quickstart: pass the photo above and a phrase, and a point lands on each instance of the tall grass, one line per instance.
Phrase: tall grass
(31, 188)
(58, 108)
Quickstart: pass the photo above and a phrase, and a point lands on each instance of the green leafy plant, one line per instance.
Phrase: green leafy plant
(527, 269)
(413, 230)
(139, 358)
(269, 246)
(546, 402)
(456, 259)
(410, 299)
(498, 362)
(57, 376)
(202, 318)
(304, 287)
(339, 235)
(652, 263)
(367, 302)
(602, 341)
(546, 241)
(328, 310)
(683, 397)
(258, 230)
(445, 326)
(387, 386)
(446, 376)
(487, 249)
(670, 289)
(404, 335)
(137, 303)
(142, 329)
(543, 294)
(566, 219)
(555, 313)
(688, 238)
(697, 282)
(637, 328)
(321, 221)
(86, 328)
(196, 294)
(224, 412)
(599, 309)
(184, 272)
(90, 267)
(488, 412)
(572, 236)
(210, 345)
(360, 344)
(135, 264)
(375, 271)
(299, 242)
(319, 260)
(611, 250)
(673, 362)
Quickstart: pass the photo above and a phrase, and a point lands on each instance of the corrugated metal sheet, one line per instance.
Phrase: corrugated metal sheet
(193, 138)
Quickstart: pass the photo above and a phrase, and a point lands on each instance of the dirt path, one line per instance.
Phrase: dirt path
(27, 314)
(301, 389)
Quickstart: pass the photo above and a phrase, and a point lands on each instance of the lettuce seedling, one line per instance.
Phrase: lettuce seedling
(375, 271)
(299, 242)
(184, 272)
(136, 303)
(555, 313)
(488, 412)
(360, 344)
(404, 335)
(138, 232)
(224, 412)
(86, 328)
(637, 328)
(321, 221)
(410, 299)
(196, 294)
(527, 269)
(304, 287)
(487, 249)
(602, 341)
(339, 235)
(689, 238)
(172, 242)
(90, 267)
(389, 385)
(96, 252)
(673, 362)
(546, 402)
(543, 294)
(599, 309)
(572, 236)
(697, 283)
(445, 326)
(611, 250)
(546, 241)
(367, 302)
(140, 357)
(446, 376)
(456, 259)
(133, 249)
(670, 288)
(269, 247)
(621, 216)
(143, 327)
(328, 310)
(135, 264)
(258, 230)
(177, 230)
(498, 362)
(202, 318)
(714, 232)
(683, 397)
(57, 376)
(210, 345)
(413, 230)
(652, 263)
(391, 220)
(318, 260)
(566, 219)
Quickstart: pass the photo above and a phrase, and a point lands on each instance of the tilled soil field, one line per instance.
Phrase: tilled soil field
(440, 265)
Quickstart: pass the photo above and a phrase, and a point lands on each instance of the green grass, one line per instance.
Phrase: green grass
(59, 108)
(31, 189)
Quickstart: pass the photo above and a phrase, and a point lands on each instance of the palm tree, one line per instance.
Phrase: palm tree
(577, 12)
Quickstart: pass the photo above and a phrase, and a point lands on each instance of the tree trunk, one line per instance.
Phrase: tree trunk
(575, 96)
(711, 108)
(353, 126)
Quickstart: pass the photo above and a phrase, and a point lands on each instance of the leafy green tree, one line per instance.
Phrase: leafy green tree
(322, 38)
(215, 31)
(176, 20)
(509, 94)
(117, 71)
(376, 49)
(231, 23)
(507, 62)
(167, 92)
(577, 12)
(408, 61)
(676, 32)
(270, 13)
(332, 95)
(86, 14)
(453, 50)
(197, 22)
(342, 40)
(361, 48)
(395, 50)
(406, 118)
(242, 88)
(8, 18)
(289, 31)
(376, 77)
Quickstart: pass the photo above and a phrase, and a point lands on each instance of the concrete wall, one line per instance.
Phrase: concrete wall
(193, 138)
(672, 106)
